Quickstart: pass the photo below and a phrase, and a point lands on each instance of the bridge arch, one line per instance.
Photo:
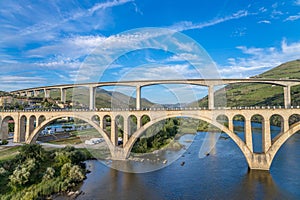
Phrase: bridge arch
(281, 139)
(242, 146)
(5, 127)
(33, 136)
(23, 121)
(41, 118)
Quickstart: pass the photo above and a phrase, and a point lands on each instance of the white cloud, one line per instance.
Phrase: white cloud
(264, 22)
(258, 60)
(187, 25)
(293, 17)
(297, 2)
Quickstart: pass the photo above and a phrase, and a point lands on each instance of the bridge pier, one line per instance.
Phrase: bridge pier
(113, 132)
(266, 135)
(211, 103)
(248, 134)
(36, 93)
(63, 95)
(92, 98)
(260, 161)
(125, 131)
(47, 93)
(118, 154)
(138, 97)
(287, 96)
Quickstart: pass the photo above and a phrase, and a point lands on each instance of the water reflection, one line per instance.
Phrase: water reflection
(223, 175)
(258, 184)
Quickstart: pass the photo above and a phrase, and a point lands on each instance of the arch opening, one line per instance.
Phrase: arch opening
(96, 119)
(293, 119)
(7, 128)
(145, 119)
(107, 125)
(41, 119)
(242, 146)
(75, 130)
(239, 126)
(119, 120)
(276, 125)
(257, 129)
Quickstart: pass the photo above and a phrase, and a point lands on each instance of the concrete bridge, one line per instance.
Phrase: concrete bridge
(28, 124)
(209, 83)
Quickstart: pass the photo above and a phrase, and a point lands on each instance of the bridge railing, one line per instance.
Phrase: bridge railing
(151, 109)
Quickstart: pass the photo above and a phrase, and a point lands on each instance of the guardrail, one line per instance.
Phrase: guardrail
(154, 109)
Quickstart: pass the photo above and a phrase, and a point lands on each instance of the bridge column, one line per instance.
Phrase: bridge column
(28, 93)
(63, 95)
(248, 134)
(230, 124)
(138, 97)
(27, 133)
(36, 93)
(138, 122)
(126, 130)
(4, 130)
(47, 93)
(266, 135)
(113, 132)
(92, 98)
(284, 125)
(211, 97)
(17, 134)
(22, 128)
(287, 96)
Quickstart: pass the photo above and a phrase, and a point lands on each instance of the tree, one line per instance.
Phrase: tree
(21, 175)
(49, 174)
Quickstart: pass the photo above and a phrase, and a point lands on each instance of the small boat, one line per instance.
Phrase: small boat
(182, 163)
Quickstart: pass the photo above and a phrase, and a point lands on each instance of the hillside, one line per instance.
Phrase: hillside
(104, 98)
(259, 94)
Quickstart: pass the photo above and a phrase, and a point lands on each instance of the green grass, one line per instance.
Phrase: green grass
(252, 94)
(7, 153)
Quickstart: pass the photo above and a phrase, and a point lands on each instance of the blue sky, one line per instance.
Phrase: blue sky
(47, 42)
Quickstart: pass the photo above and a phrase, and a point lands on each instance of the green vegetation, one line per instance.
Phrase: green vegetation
(34, 173)
(164, 134)
(252, 94)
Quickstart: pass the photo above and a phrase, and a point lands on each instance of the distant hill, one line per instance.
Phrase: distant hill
(104, 98)
(252, 94)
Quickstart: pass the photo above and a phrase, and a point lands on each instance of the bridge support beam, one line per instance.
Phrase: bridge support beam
(211, 103)
(27, 133)
(29, 94)
(63, 95)
(266, 136)
(113, 132)
(248, 134)
(287, 96)
(16, 138)
(125, 131)
(92, 98)
(46, 93)
(36, 93)
(230, 124)
(138, 97)
(284, 125)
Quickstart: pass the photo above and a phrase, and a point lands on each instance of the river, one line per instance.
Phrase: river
(221, 175)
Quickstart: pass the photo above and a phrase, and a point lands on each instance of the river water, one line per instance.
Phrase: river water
(221, 175)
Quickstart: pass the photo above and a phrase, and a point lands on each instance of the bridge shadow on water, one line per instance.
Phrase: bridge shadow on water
(257, 184)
